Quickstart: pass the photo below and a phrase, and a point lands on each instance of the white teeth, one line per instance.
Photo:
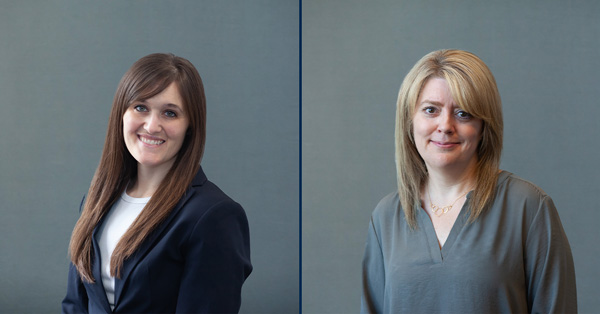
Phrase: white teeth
(151, 142)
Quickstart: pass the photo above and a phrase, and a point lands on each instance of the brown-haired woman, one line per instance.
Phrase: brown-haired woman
(460, 235)
(154, 234)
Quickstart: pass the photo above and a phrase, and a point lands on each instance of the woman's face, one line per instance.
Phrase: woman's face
(446, 136)
(154, 129)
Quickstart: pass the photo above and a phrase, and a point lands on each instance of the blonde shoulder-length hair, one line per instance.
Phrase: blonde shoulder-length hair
(474, 89)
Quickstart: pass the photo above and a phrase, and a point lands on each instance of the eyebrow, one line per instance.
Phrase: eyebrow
(167, 105)
(433, 102)
(436, 103)
(170, 105)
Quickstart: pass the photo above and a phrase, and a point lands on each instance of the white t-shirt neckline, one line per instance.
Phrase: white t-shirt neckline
(117, 221)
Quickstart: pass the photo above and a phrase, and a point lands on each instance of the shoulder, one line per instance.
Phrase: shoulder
(208, 201)
(204, 205)
(519, 187)
(515, 192)
(387, 208)
(208, 215)
(520, 197)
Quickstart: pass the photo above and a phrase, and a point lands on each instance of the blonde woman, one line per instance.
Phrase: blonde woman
(460, 235)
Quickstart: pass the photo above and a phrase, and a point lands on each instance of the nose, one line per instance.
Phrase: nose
(446, 123)
(152, 125)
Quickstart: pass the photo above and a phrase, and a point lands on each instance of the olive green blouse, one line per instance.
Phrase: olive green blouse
(514, 258)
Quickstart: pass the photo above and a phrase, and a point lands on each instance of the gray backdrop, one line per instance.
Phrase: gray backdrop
(545, 57)
(60, 63)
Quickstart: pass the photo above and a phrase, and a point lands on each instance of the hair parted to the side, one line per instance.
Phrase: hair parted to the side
(146, 78)
(474, 89)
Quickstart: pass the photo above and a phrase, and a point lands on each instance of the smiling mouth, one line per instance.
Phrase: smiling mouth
(150, 141)
(445, 144)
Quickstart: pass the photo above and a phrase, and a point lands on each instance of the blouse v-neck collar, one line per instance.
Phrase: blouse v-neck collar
(438, 255)
(426, 226)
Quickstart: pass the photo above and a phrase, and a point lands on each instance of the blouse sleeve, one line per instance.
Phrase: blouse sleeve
(373, 274)
(549, 268)
(217, 262)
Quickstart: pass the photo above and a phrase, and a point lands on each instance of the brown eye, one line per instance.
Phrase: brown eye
(429, 110)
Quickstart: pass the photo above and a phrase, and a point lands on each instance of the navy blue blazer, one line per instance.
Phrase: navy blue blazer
(195, 261)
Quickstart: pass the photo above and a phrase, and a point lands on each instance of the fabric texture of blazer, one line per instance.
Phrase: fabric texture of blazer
(195, 261)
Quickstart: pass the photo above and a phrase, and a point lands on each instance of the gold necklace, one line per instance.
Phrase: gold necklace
(440, 210)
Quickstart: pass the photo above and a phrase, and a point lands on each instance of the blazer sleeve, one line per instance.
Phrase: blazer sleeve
(549, 268)
(373, 274)
(217, 261)
(76, 300)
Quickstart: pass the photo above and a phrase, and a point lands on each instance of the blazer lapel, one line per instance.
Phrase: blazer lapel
(130, 263)
(98, 288)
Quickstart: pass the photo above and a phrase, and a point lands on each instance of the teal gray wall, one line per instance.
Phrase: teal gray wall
(60, 63)
(545, 57)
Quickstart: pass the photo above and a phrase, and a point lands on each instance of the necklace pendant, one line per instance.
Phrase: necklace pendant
(439, 211)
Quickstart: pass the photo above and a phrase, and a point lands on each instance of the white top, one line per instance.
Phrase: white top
(117, 221)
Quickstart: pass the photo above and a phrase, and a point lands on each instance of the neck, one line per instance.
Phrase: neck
(450, 183)
(147, 181)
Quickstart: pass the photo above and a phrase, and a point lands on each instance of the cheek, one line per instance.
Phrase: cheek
(126, 126)
(419, 130)
(474, 136)
(129, 124)
(178, 131)
(478, 131)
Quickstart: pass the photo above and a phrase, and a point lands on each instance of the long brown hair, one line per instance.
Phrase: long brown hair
(473, 87)
(146, 78)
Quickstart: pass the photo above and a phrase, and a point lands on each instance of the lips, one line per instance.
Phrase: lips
(150, 140)
(443, 144)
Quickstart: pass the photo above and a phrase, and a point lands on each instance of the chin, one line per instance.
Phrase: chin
(442, 162)
(148, 162)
